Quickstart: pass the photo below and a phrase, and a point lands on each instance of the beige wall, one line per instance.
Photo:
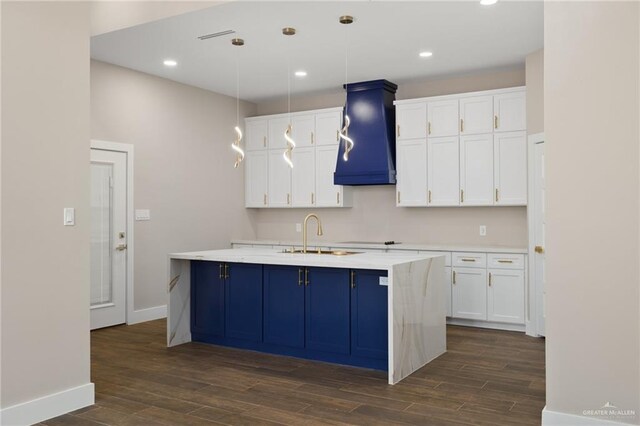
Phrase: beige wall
(183, 167)
(592, 123)
(44, 168)
(535, 92)
(375, 216)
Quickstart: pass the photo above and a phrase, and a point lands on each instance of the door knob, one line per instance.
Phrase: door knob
(121, 247)
(539, 249)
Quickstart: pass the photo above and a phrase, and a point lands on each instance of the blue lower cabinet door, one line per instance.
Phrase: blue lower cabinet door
(327, 310)
(243, 301)
(207, 298)
(369, 314)
(284, 306)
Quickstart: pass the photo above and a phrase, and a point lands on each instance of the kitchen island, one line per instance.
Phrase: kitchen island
(328, 290)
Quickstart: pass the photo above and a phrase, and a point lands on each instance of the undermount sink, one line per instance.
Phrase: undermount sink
(331, 252)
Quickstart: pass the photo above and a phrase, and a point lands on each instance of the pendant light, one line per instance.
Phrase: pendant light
(344, 132)
(291, 144)
(236, 144)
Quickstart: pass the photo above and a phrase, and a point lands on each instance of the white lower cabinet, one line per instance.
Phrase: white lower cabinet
(303, 177)
(447, 290)
(279, 194)
(469, 293)
(411, 158)
(255, 165)
(505, 301)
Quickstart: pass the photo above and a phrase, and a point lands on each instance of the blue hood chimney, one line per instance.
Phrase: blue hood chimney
(372, 115)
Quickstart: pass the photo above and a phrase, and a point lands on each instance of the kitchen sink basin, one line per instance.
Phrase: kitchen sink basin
(330, 252)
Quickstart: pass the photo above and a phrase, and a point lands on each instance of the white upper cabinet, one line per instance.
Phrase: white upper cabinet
(411, 160)
(443, 171)
(327, 128)
(303, 129)
(255, 178)
(277, 127)
(279, 180)
(328, 194)
(510, 168)
(476, 115)
(505, 298)
(510, 112)
(411, 121)
(442, 118)
(476, 170)
(303, 177)
(256, 134)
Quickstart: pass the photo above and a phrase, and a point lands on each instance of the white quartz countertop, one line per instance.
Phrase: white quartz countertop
(400, 246)
(268, 256)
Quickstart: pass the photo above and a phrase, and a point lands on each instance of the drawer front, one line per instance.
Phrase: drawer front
(469, 260)
(505, 261)
(446, 254)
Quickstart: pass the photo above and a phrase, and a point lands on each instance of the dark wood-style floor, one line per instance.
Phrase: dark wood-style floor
(486, 378)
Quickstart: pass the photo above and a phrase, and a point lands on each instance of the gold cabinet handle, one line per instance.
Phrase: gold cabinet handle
(220, 275)
(504, 261)
(497, 198)
(226, 270)
(454, 277)
(338, 197)
(398, 130)
(337, 135)
(288, 198)
(312, 200)
(489, 279)
(462, 195)
(353, 279)
(264, 141)
(311, 138)
(265, 199)
(429, 127)
(299, 277)
(429, 196)
(467, 259)
(495, 121)
(306, 276)
(461, 125)
(398, 197)
(539, 249)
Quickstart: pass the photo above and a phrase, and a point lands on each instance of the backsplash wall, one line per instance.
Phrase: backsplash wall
(374, 215)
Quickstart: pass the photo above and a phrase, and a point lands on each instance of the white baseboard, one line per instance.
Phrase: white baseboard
(556, 418)
(149, 314)
(485, 324)
(47, 407)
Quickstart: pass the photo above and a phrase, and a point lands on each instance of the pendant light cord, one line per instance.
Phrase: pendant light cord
(237, 88)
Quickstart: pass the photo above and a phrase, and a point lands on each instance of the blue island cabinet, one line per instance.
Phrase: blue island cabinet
(284, 306)
(369, 314)
(243, 301)
(207, 299)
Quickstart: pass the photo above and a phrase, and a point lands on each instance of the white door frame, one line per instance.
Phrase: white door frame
(127, 149)
(532, 317)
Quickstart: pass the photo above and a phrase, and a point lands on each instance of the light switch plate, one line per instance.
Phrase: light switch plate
(483, 230)
(69, 216)
(143, 214)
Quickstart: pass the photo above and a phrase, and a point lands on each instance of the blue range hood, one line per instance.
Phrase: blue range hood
(372, 161)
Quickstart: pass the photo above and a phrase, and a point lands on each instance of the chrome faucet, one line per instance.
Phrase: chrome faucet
(304, 230)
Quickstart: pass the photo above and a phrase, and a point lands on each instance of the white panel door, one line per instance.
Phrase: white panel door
(411, 166)
(277, 127)
(469, 293)
(476, 170)
(510, 168)
(505, 297)
(476, 115)
(256, 134)
(327, 127)
(327, 194)
(303, 177)
(442, 118)
(443, 171)
(108, 250)
(255, 178)
(303, 129)
(510, 111)
(447, 290)
(538, 255)
(279, 193)
(411, 121)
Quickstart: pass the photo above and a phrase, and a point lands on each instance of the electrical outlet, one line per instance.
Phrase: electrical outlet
(483, 230)
(298, 227)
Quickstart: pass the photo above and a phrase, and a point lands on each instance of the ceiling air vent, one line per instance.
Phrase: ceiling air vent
(214, 35)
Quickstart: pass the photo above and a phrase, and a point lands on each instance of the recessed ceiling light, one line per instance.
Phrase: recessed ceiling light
(488, 2)
(300, 73)
(170, 63)
(426, 54)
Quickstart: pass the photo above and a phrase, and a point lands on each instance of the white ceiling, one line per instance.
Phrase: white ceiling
(383, 42)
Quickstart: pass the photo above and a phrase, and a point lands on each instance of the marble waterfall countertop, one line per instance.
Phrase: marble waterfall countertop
(415, 297)
(382, 246)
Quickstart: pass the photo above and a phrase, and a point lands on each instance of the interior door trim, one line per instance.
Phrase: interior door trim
(531, 311)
